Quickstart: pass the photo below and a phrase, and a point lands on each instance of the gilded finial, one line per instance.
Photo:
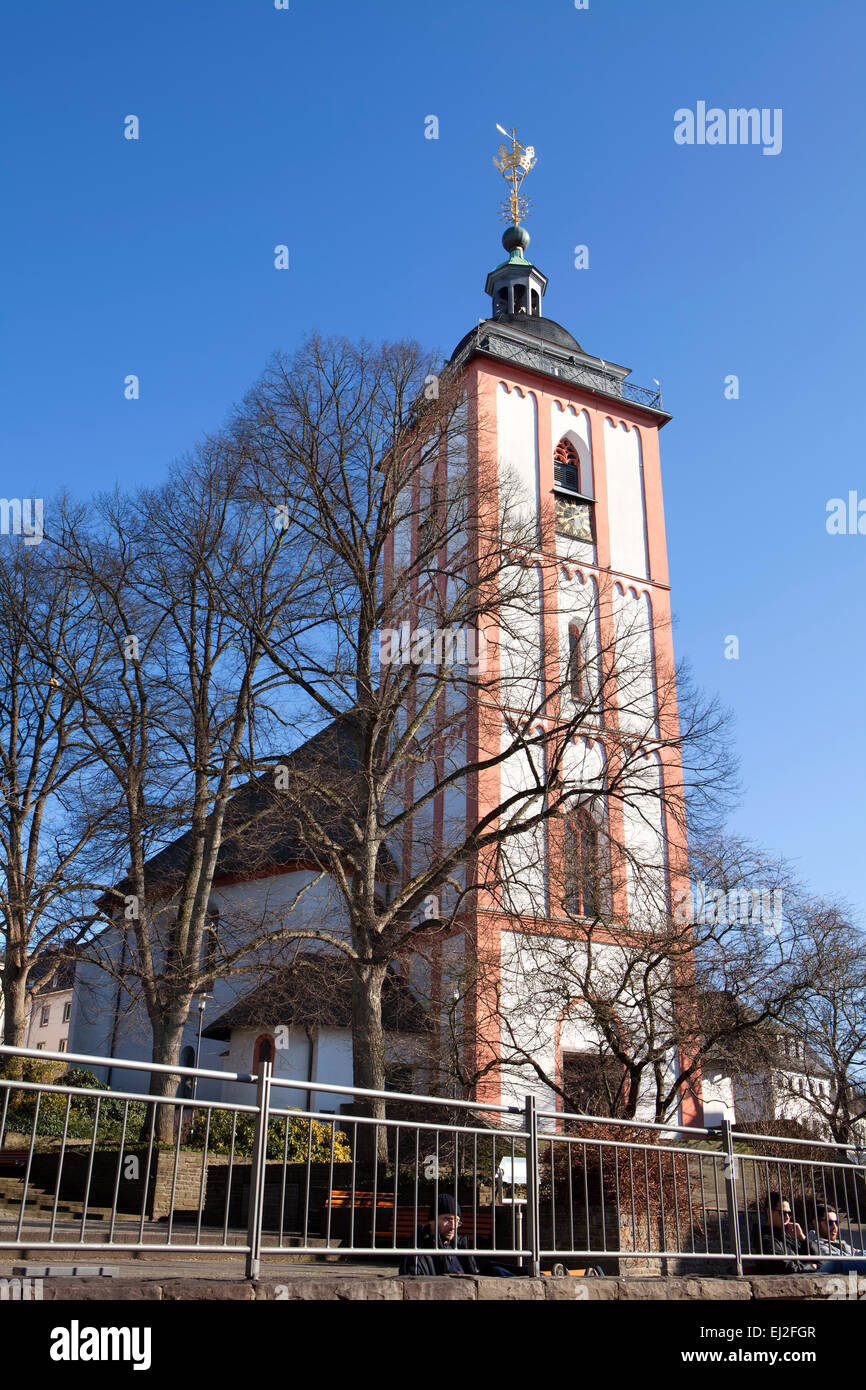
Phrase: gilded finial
(514, 165)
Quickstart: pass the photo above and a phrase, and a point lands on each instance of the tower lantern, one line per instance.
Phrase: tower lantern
(516, 286)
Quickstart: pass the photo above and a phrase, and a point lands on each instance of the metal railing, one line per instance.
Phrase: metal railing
(118, 1169)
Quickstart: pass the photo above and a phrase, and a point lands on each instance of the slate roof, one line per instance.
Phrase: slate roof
(536, 325)
(264, 830)
(51, 974)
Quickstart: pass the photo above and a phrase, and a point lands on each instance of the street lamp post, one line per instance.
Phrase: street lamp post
(202, 1005)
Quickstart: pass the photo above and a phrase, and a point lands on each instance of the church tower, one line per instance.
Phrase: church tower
(580, 444)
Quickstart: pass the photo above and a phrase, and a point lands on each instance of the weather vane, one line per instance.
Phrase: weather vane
(514, 165)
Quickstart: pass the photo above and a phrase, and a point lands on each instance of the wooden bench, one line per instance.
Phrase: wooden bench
(13, 1158)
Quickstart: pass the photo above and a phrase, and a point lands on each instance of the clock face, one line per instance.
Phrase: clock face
(574, 519)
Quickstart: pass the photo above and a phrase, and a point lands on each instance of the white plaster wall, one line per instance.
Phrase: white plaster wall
(718, 1097)
(403, 538)
(243, 907)
(455, 752)
(535, 991)
(646, 862)
(455, 760)
(56, 1030)
(517, 434)
(635, 663)
(452, 1008)
(331, 1063)
(523, 856)
(583, 768)
(626, 512)
(521, 677)
(308, 899)
(578, 605)
(327, 1059)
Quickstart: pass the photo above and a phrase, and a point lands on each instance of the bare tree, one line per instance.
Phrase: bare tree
(170, 720)
(709, 980)
(831, 1022)
(45, 825)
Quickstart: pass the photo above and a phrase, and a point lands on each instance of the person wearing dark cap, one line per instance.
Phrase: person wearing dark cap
(440, 1237)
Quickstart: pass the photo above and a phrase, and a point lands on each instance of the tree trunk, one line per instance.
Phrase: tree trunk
(14, 1015)
(368, 1056)
(168, 1035)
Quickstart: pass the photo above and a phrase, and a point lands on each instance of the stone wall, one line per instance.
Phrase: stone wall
(364, 1288)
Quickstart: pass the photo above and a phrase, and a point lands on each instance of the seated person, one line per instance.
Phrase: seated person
(825, 1241)
(441, 1238)
(779, 1234)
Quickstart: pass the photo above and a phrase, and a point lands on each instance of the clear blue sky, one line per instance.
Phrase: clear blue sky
(306, 127)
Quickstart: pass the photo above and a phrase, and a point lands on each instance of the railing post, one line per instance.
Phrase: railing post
(731, 1191)
(258, 1169)
(532, 1204)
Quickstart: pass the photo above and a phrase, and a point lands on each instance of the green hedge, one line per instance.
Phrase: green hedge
(219, 1138)
(82, 1109)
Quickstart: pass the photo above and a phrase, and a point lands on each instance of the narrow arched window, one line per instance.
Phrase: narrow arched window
(566, 466)
(186, 1090)
(582, 867)
(263, 1050)
(575, 664)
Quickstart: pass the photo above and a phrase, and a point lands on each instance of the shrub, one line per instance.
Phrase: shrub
(219, 1138)
(82, 1109)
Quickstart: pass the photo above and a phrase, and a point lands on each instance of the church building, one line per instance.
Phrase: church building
(568, 436)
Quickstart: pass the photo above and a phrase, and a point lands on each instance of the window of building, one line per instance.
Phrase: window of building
(46, 1015)
(566, 466)
(575, 664)
(263, 1051)
(582, 866)
(40, 1047)
(61, 1046)
(574, 509)
(187, 1059)
(67, 1010)
(594, 1084)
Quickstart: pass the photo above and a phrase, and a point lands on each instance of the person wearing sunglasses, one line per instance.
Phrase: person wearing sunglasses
(779, 1234)
(824, 1240)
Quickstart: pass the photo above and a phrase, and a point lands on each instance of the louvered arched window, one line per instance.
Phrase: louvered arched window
(574, 510)
(566, 466)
